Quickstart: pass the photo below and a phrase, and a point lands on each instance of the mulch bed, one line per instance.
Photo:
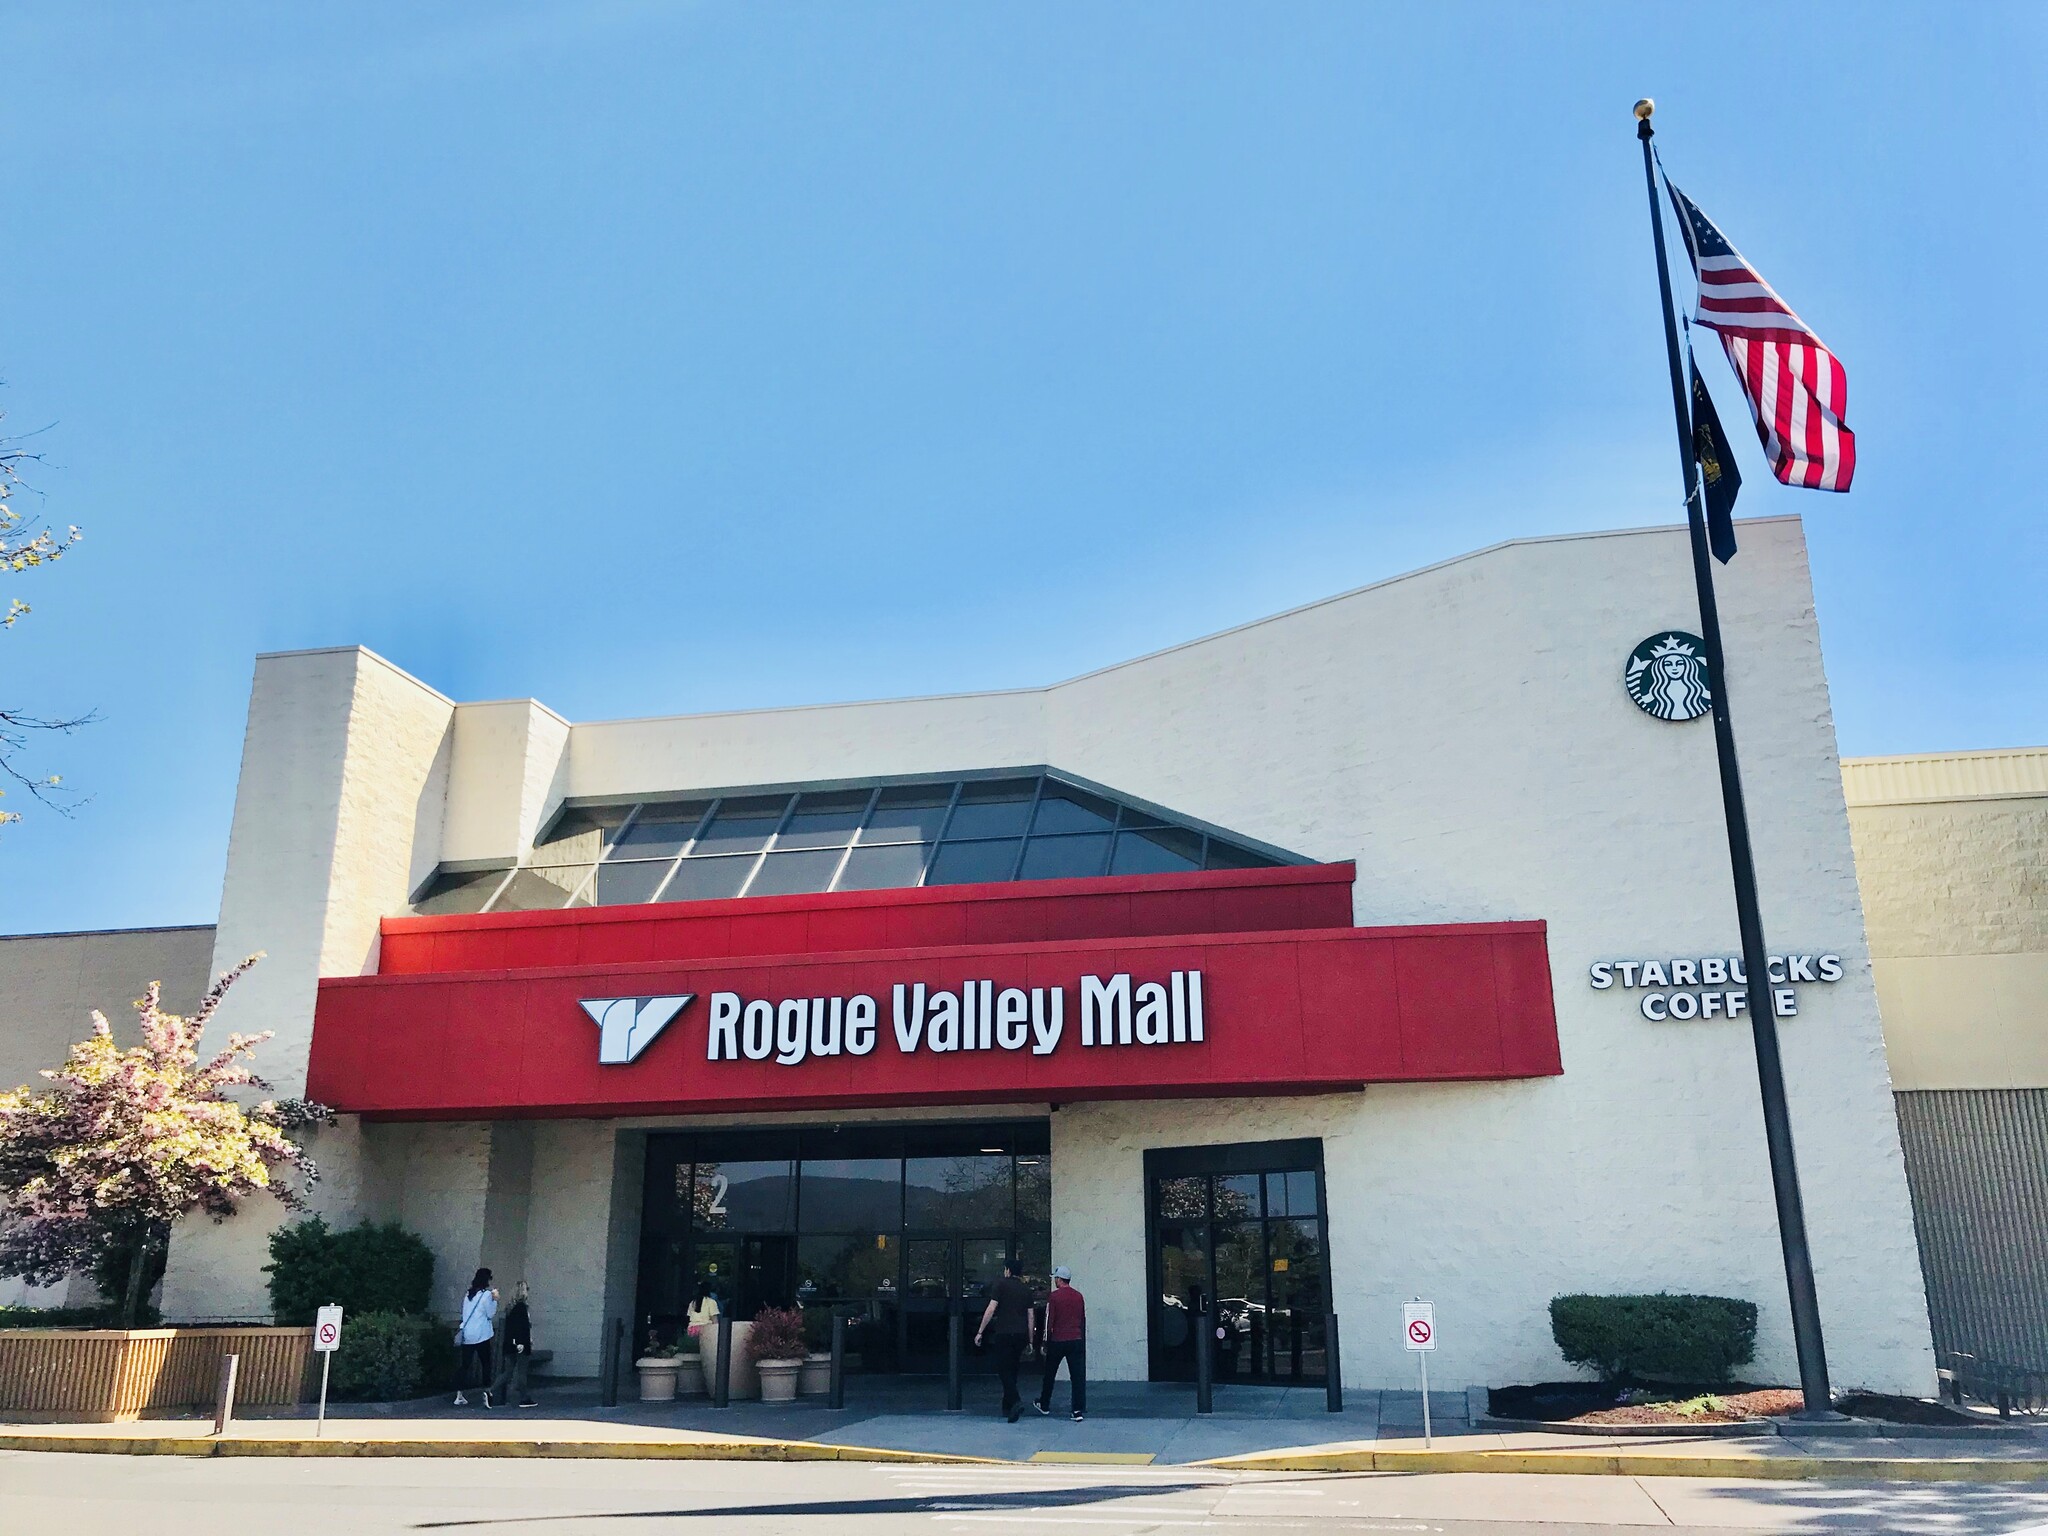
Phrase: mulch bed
(1593, 1402)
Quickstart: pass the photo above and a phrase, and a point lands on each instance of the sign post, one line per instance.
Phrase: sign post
(1418, 1329)
(326, 1340)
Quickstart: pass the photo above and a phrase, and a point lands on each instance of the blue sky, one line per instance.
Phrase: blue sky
(648, 358)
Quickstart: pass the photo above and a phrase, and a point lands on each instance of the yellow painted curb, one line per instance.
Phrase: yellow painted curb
(1957, 1469)
(595, 1450)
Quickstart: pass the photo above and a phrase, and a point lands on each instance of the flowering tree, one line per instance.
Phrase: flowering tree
(129, 1141)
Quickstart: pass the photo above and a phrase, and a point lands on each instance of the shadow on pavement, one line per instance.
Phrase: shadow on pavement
(961, 1503)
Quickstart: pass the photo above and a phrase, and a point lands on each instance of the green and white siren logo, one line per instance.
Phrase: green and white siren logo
(1667, 676)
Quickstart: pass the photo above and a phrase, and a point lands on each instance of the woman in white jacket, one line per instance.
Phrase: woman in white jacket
(473, 1336)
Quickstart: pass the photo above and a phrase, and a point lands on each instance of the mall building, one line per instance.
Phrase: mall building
(1378, 950)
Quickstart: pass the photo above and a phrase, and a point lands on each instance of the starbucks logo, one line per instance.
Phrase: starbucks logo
(1667, 676)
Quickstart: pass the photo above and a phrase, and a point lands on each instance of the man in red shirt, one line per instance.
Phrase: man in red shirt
(1066, 1338)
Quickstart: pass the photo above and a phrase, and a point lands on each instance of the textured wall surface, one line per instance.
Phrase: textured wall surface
(1461, 733)
(337, 817)
(1952, 856)
(52, 982)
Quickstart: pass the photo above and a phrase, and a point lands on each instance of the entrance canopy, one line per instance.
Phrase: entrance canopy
(1205, 983)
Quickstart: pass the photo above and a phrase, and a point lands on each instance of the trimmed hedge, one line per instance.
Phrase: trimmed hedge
(1672, 1338)
(365, 1269)
(71, 1317)
(391, 1356)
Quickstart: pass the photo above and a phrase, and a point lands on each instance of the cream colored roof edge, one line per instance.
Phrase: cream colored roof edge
(1183, 645)
(1996, 773)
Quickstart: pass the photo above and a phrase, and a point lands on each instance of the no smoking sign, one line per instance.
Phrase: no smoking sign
(1418, 1324)
(327, 1330)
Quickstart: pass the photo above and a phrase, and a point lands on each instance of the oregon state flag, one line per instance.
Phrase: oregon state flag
(1719, 478)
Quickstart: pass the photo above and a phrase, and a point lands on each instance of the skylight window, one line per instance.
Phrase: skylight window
(995, 827)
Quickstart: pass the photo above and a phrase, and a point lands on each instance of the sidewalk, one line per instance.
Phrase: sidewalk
(1254, 1428)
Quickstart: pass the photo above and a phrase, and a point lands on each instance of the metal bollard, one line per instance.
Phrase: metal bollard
(836, 1396)
(1205, 1365)
(1333, 1366)
(608, 1366)
(953, 1333)
(224, 1393)
(721, 1386)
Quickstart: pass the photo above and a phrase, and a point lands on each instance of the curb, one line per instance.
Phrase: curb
(1956, 1469)
(593, 1450)
(1970, 1469)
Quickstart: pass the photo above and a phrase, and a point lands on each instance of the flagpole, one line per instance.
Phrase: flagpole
(1763, 1023)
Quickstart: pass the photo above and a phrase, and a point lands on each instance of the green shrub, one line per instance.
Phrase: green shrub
(364, 1269)
(379, 1358)
(71, 1317)
(1672, 1338)
(438, 1359)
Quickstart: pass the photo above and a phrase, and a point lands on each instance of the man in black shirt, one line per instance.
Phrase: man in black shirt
(1009, 1322)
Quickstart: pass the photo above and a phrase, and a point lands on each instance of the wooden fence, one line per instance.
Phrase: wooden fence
(109, 1375)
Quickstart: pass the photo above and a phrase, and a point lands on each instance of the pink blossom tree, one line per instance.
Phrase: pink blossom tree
(129, 1141)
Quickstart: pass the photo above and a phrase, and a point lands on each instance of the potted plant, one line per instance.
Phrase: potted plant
(690, 1370)
(658, 1370)
(775, 1345)
(816, 1378)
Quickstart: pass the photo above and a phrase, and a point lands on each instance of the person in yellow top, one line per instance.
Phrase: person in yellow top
(703, 1311)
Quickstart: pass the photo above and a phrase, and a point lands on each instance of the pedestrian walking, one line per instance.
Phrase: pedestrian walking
(473, 1336)
(1008, 1322)
(1066, 1338)
(515, 1358)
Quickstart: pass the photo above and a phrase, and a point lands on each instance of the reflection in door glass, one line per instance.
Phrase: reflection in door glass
(743, 1196)
(1300, 1281)
(1240, 1298)
(927, 1268)
(1183, 1198)
(1183, 1291)
(1237, 1196)
(952, 1193)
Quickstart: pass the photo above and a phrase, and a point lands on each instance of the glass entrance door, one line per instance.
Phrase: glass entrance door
(1249, 1246)
(944, 1273)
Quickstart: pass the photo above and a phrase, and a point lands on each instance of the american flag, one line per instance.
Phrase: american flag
(1797, 390)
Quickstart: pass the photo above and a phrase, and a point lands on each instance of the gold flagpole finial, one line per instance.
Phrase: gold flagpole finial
(1644, 108)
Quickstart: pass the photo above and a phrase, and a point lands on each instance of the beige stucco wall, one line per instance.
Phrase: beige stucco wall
(1461, 732)
(1952, 858)
(52, 983)
(338, 818)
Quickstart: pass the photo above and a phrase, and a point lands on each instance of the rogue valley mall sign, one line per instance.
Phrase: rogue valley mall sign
(1217, 983)
(978, 1017)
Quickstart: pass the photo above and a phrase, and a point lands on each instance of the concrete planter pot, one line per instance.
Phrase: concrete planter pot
(778, 1379)
(690, 1376)
(816, 1378)
(658, 1377)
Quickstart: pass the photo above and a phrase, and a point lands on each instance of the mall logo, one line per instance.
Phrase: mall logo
(626, 1026)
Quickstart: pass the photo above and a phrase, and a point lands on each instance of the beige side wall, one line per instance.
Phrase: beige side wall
(337, 818)
(1952, 858)
(52, 983)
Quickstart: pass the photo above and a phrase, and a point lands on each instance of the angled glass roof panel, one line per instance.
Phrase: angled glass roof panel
(992, 808)
(1063, 808)
(1015, 824)
(660, 830)
(826, 820)
(742, 824)
(908, 813)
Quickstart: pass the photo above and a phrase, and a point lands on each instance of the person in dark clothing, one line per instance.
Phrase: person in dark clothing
(1009, 1324)
(515, 1358)
(1066, 1338)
